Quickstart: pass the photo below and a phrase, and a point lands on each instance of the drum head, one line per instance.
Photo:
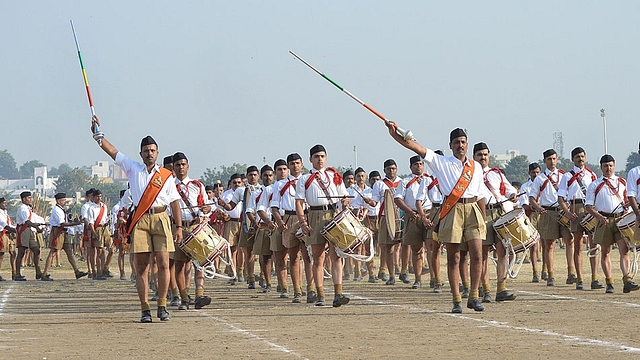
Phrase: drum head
(508, 218)
(627, 221)
(390, 213)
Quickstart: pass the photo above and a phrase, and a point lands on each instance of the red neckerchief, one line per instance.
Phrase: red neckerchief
(417, 178)
(291, 182)
(579, 173)
(337, 178)
(503, 186)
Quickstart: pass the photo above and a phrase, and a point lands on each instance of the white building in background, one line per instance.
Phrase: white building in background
(41, 183)
(501, 160)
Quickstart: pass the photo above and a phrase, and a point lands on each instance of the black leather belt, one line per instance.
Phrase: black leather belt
(321, 207)
(577, 201)
(467, 200)
(551, 208)
(494, 206)
(292, 212)
(372, 217)
(435, 205)
(234, 219)
(157, 209)
(610, 215)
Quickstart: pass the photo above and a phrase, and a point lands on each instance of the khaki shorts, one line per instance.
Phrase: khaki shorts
(104, 235)
(28, 239)
(152, 233)
(247, 238)
(581, 211)
(8, 245)
(463, 223)
(549, 228)
(492, 237)
(318, 219)
(372, 223)
(275, 242)
(178, 254)
(414, 233)
(535, 218)
(40, 240)
(262, 242)
(432, 215)
(231, 232)
(383, 233)
(289, 239)
(608, 234)
(60, 242)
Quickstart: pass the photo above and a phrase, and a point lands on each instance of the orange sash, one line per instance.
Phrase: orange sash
(148, 196)
(459, 189)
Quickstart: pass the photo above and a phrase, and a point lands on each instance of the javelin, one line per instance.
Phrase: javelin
(97, 134)
(407, 135)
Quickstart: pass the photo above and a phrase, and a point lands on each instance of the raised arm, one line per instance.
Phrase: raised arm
(409, 144)
(104, 144)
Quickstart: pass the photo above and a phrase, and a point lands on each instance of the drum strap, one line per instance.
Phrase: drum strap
(614, 190)
(503, 186)
(149, 196)
(391, 185)
(185, 197)
(55, 234)
(433, 183)
(459, 189)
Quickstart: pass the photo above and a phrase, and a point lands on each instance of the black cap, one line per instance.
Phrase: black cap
(456, 133)
(534, 166)
(389, 162)
(279, 162)
(548, 153)
(89, 192)
(167, 160)
(374, 173)
(439, 152)
(359, 170)
(97, 192)
(60, 195)
(252, 168)
(293, 157)
(577, 151)
(2, 200)
(516, 183)
(265, 169)
(235, 176)
(179, 156)
(414, 159)
(607, 158)
(147, 140)
(208, 188)
(316, 148)
(24, 194)
(480, 146)
(347, 173)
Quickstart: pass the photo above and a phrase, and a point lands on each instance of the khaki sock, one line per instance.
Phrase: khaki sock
(297, 289)
(594, 278)
(571, 270)
(285, 287)
(145, 306)
(486, 288)
(175, 292)
(609, 281)
(310, 287)
(320, 291)
(535, 272)
(473, 294)
(580, 279)
(457, 299)
(626, 279)
(337, 289)
(465, 284)
(551, 275)
(162, 301)
(199, 292)
(184, 295)
(502, 286)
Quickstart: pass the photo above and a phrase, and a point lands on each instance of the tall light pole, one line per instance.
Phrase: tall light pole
(604, 123)
(355, 157)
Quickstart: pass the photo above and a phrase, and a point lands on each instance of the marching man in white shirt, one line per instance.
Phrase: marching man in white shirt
(26, 228)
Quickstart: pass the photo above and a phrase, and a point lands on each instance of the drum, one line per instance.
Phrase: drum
(204, 246)
(346, 233)
(589, 223)
(516, 227)
(626, 226)
(564, 219)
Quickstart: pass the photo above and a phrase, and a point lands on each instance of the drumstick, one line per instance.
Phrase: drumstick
(406, 134)
(337, 197)
(355, 188)
(97, 134)
(517, 196)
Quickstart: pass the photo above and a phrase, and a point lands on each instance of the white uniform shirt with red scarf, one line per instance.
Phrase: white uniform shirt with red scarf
(99, 210)
(408, 190)
(545, 187)
(573, 185)
(284, 194)
(498, 188)
(310, 187)
(429, 192)
(263, 201)
(633, 183)
(5, 221)
(607, 194)
(193, 191)
(377, 193)
(448, 169)
(23, 214)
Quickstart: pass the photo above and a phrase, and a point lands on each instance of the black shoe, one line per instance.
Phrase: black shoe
(551, 281)
(184, 305)
(297, 298)
(404, 278)
(486, 298)
(320, 301)
(252, 285)
(383, 277)
(629, 287)
(80, 274)
(163, 314)
(191, 301)
(391, 281)
(416, 285)
(544, 275)
(595, 285)
(311, 297)
(457, 309)
(580, 285)
(175, 301)
(107, 274)
(571, 279)
(100, 277)
(155, 297)
(505, 296)
(465, 293)
(535, 279)
(266, 289)
(19, 278)
(46, 278)
(146, 317)
(38, 276)
(340, 300)
(202, 301)
(609, 289)
(475, 305)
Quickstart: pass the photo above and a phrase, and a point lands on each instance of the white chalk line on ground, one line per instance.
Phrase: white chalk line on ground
(5, 298)
(562, 297)
(504, 325)
(255, 337)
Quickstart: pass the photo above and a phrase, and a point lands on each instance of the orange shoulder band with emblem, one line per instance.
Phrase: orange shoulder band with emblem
(149, 196)
(459, 189)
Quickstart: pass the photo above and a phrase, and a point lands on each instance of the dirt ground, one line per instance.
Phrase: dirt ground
(69, 319)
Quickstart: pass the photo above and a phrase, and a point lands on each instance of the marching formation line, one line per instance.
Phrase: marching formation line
(563, 297)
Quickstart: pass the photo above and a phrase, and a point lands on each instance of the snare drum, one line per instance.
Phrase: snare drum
(516, 227)
(589, 223)
(564, 219)
(204, 245)
(626, 226)
(345, 232)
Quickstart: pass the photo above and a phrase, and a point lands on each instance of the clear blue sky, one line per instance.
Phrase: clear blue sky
(214, 79)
